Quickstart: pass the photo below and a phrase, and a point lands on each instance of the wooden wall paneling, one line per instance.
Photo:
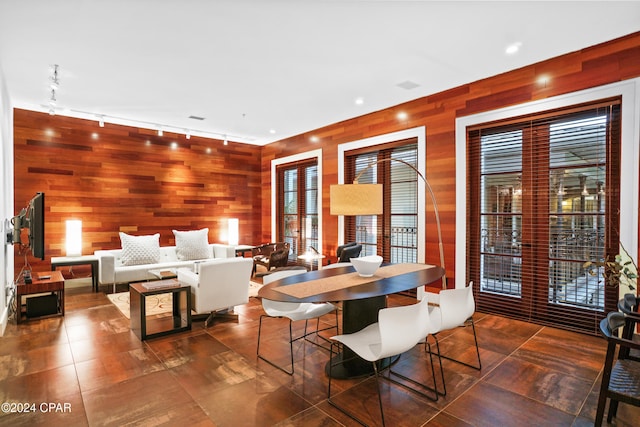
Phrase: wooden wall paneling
(120, 178)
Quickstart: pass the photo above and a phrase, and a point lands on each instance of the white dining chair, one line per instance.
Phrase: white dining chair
(398, 330)
(449, 309)
(293, 311)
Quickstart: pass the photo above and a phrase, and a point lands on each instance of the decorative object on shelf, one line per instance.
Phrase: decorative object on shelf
(366, 199)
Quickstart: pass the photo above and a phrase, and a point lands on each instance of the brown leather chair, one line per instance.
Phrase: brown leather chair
(271, 255)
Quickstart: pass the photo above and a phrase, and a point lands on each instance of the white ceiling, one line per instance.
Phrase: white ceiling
(252, 66)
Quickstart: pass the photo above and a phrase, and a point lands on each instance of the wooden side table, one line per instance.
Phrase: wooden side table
(79, 260)
(54, 283)
(180, 319)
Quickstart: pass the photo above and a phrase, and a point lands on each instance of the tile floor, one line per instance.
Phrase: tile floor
(96, 372)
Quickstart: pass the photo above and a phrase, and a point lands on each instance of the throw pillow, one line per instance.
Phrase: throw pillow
(191, 245)
(138, 250)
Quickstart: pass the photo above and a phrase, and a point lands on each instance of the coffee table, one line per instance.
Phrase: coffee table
(146, 327)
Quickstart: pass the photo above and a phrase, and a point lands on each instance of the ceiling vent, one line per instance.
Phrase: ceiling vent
(196, 118)
(408, 85)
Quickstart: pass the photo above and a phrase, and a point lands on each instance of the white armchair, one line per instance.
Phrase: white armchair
(219, 285)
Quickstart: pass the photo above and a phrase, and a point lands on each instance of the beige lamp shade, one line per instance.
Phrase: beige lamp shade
(356, 199)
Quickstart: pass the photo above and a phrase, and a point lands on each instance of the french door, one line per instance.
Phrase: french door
(297, 209)
(543, 197)
(393, 234)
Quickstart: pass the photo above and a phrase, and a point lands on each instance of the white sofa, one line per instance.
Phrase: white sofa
(112, 270)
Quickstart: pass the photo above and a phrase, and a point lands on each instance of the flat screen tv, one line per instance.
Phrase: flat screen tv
(31, 218)
(36, 225)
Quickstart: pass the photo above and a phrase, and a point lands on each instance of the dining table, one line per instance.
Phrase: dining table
(361, 298)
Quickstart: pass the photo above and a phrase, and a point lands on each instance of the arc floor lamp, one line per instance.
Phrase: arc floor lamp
(366, 199)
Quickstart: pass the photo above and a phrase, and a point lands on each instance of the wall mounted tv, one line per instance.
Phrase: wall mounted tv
(30, 218)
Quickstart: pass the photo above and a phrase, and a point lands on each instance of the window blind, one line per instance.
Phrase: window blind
(393, 235)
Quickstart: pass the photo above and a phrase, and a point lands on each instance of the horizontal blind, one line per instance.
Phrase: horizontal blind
(543, 197)
(392, 234)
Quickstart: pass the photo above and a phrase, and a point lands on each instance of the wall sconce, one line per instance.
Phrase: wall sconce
(233, 232)
(74, 237)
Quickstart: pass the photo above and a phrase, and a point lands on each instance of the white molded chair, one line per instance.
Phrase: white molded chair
(398, 330)
(220, 285)
(293, 311)
(453, 308)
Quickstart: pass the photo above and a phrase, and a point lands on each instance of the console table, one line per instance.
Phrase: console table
(78, 260)
(42, 282)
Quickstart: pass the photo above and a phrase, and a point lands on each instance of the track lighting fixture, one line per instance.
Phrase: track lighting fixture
(188, 134)
(160, 133)
(54, 84)
(225, 140)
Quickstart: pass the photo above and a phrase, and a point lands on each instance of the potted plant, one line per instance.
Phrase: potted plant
(621, 270)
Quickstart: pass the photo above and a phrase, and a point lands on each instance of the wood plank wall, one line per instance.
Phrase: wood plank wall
(593, 66)
(120, 178)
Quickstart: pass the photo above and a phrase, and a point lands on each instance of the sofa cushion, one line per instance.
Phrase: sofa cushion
(138, 250)
(192, 245)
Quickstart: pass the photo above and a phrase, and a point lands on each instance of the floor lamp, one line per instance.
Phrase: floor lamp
(366, 199)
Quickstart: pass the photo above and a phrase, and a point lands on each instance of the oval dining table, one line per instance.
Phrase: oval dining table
(360, 304)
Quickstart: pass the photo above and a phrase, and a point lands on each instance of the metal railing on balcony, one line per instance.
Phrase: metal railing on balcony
(569, 282)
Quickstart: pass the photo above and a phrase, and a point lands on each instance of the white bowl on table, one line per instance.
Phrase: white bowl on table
(366, 266)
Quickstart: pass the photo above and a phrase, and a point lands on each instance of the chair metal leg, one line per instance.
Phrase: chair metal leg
(378, 388)
(320, 330)
(290, 348)
(375, 371)
(475, 338)
(433, 372)
(329, 400)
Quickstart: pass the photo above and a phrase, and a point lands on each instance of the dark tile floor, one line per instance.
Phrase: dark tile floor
(96, 372)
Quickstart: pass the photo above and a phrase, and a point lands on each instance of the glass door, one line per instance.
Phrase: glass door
(298, 207)
(393, 234)
(545, 205)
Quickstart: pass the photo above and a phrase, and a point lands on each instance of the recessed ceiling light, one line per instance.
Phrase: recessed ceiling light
(208, 150)
(174, 145)
(272, 131)
(359, 101)
(314, 139)
(402, 115)
(94, 135)
(513, 48)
